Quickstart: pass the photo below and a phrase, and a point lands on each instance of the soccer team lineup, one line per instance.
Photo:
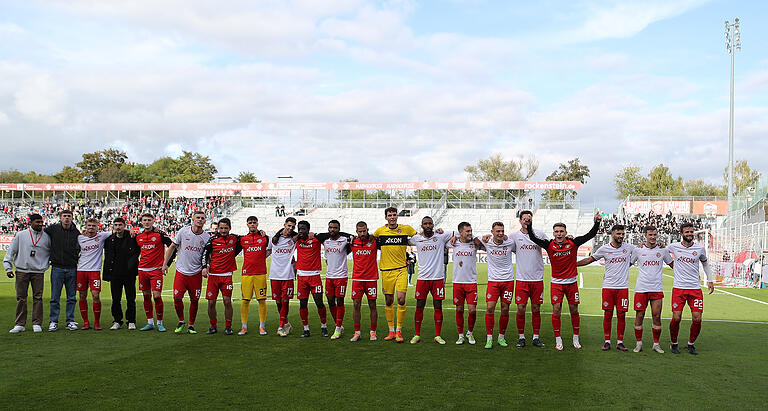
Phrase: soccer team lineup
(377, 256)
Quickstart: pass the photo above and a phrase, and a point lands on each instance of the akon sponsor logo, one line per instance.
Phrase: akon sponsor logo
(498, 252)
(528, 247)
(282, 251)
(192, 248)
(464, 253)
(253, 249)
(429, 248)
(333, 250)
(686, 259)
(394, 241)
(147, 246)
(226, 250)
(91, 247)
(617, 260)
(561, 253)
(363, 252)
(655, 263)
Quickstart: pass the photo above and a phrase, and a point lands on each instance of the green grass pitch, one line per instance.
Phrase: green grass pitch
(131, 369)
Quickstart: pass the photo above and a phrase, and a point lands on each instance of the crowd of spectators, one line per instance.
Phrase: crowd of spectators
(171, 214)
(665, 223)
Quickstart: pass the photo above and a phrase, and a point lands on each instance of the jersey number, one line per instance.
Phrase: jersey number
(697, 303)
(507, 295)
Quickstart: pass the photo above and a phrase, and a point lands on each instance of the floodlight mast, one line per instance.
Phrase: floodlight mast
(732, 44)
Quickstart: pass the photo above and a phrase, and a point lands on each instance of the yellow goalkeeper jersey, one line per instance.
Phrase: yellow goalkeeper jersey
(393, 243)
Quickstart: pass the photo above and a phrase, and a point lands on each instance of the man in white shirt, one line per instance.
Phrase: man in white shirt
(89, 271)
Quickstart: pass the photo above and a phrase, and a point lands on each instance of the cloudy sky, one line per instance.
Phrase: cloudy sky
(388, 90)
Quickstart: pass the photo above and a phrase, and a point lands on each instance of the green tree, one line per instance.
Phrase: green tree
(629, 182)
(699, 188)
(495, 168)
(94, 164)
(194, 168)
(573, 170)
(247, 177)
(31, 177)
(69, 174)
(662, 183)
(743, 176)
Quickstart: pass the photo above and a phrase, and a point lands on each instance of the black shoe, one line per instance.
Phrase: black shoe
(621, 347)
(305, 334)
(692, 350)
(537, 343)
(324, 332)
(228, 331)
(673, 349)
(520, 343)
(212, 330)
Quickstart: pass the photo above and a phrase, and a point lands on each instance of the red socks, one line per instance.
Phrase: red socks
(621, 324)
(228, 322)
(460, 322)
(159, 308)
(323, 315)
(556, 324)
(503, 322)
(536, 321)
(333, 313)
(374, 324)
(304, 314)
(489, 324)
(656, 334)
(339, 315)
(84, 310)
(357, 327)
(283, 313)
(97, 313)
(148, 307)
(471, 318)
(192, 311)
(674, 329)
(214, 322)
(695, 330)
(438, 321)
(178, 304)
(576, 323)
(419, 316)
(520, 319)
(607, 318)
(639, 333)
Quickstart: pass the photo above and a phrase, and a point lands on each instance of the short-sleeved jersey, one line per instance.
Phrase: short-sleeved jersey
(500, 260)
(308, 256)
(364, 259)
(190, 248)
(254, 247)
(430, 254)
(393, 242)
(686, 267)
(152, 245)
(220, 253)
(616, 264)
(282, 255)
(650, 265)
(91, 251)
(529, 264)
(464, 262)
(336, 256)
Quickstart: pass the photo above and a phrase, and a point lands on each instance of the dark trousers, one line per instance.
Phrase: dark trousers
(23, 281)
(117, 286)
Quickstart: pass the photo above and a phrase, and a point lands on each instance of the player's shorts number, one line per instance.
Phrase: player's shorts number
(289, 292)
(372, 292)
(342, 288)
(317, 289)
(262, 292)
(576, 297)
(229, 286)
(698, 303)
(96, 283)
(197, 293)
(159, 283)
(624, 302)
(441, 292)
(507, 295)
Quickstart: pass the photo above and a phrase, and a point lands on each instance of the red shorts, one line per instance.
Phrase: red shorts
(88, 279)
(560, 291)
(282, 289)
(308, 284)
(218, 283)
(188, 283)
(694, 298)
(616, 297)
(641, 299)
(360, 288)
(529, 289)
(435, 287)
(464, 292)
(151, 280)
(335, 287)
(503, 289)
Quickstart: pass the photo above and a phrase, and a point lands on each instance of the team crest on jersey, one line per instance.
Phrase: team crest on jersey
(210, 294)
(658, 255)
(175, 292)
(517, 298)
(554, 298)
(694, 253)
(624, 251)
(417, 294)
(154, 238)
(259, 241)
(488, 296)
(354, 293)
(674, 305)
(639, 305)
(605, 303)
(455, 300)
(231, 241)
(434, 239)
(399, 231)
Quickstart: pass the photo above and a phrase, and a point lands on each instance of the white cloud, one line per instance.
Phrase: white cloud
(40, 98)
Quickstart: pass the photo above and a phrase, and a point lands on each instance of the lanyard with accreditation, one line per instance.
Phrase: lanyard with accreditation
(34, 243)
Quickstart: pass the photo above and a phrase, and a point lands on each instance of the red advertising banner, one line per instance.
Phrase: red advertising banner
(284, 186)
(716, 207)
(658, 207)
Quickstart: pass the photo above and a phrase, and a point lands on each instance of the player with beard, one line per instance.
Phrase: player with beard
(152, 243)
(336, 272)
(529, 283)
(365, 275)
(218, 266)
(254, 274)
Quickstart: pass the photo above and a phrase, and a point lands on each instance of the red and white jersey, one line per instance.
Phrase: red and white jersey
(336, 257)
(190, 248)
(220, 253)
(500, 260)
(529, 263)
(254, 247)
(686, 267)
(650, 265)
(152, 245)
(616, 264)
(308, 256)
(464, 262)
(364, 259)
(430, 253)
(282, 255)
(91, 251)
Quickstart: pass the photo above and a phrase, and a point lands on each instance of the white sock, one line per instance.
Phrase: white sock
(306, 328)
(324, 325)
(391, 330)
(607, 341)
(245, 325)
(262, 324)
(399, 329)
(469, 333)
(338, 329)
(559, 340)
(535, 336)
(501, 336)
(575, 338)
(461, 335)
(490, 337)
(619, 341)
(151, 321)
(690, 343)
(159, 322)
(521, 336)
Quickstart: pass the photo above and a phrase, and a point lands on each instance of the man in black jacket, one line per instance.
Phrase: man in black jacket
(65, 251)
(121, 266)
